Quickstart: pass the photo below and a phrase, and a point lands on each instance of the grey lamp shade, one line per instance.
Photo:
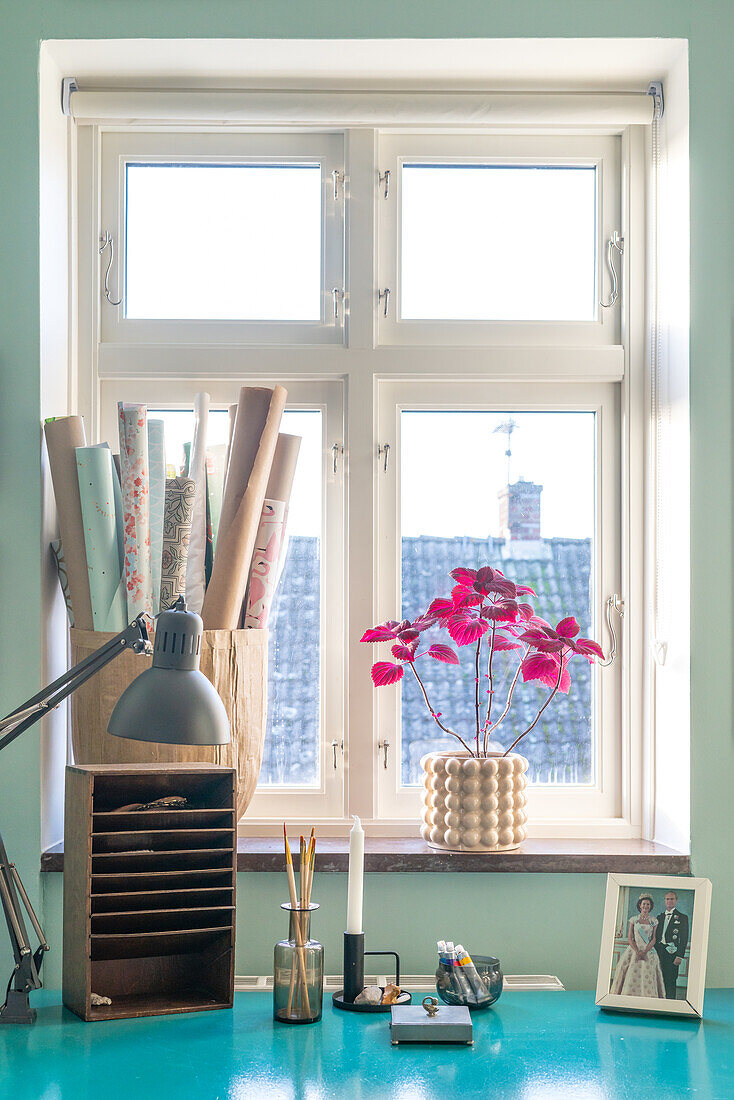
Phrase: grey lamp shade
(173, 702)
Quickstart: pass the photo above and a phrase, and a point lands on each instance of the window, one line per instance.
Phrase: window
(253, 255)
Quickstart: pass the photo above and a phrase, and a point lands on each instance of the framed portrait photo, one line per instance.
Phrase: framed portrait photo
(653, 944)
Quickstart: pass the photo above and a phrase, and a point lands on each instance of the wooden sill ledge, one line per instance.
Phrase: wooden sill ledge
(386, 855)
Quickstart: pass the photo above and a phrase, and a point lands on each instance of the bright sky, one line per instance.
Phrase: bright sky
(454, 465)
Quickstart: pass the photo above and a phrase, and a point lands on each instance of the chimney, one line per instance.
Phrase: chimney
(520, 511)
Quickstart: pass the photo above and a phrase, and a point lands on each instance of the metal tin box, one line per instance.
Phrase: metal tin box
(412, 1024)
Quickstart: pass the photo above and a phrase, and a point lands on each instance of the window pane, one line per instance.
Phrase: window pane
(223, 242)
(292, 743)
(465, 502)
(491, 243)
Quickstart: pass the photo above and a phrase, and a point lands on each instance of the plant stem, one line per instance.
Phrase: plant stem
(433, 713)
(490, 678)
(545, 704)
(476, 687)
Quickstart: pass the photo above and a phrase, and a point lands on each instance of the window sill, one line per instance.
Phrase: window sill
(386, 855)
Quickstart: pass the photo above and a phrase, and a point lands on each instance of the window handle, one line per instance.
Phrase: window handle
(386, 295)
(614, 603)
(335, 744)
(336, 450)
(105, 241)
(337, 178)
(383, 180)
(384, 449)
(384, 747)
(615, 242)
(337, 296)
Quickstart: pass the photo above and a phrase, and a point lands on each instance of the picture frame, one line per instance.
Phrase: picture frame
(653, 957)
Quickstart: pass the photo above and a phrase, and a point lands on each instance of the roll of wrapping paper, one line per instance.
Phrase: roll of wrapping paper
(216, 460)
(195, 566)
(157, 481)
(232, 419)
(136, 505)
(57, 550)
(103, 536)
(259, 413)
(264, 570)
(179, 506)
(63, 436)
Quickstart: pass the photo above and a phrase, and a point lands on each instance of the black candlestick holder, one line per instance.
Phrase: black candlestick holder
(354, 954)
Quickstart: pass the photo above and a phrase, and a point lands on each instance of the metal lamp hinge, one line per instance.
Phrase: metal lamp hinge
(336, 744)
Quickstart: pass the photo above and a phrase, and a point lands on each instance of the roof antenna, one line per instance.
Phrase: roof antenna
(507, 427)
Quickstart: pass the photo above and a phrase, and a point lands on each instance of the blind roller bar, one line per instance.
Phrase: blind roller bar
(381, 109)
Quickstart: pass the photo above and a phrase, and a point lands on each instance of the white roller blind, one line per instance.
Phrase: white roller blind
(369, 108)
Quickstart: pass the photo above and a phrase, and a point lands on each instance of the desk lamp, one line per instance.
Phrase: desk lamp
(171, 702)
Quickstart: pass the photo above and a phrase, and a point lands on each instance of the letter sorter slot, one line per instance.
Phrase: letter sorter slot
(184, 860)
(200, 897)
(160, 840)
(134, 882)
(155, 930)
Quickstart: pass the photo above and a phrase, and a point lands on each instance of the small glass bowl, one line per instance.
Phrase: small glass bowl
(453, 991)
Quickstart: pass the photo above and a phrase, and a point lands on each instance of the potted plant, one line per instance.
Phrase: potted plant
(474, 797)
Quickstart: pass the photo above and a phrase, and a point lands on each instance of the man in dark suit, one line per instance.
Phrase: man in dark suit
(671, 942)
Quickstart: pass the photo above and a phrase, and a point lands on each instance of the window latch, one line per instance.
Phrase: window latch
(383, 181)
(336, 744)
(384, 748)
(386, 295)
(106, 241)
(384, 449)
(337, 178)
(615, 243)
(614, 603)
(336, 450)
(337, 296)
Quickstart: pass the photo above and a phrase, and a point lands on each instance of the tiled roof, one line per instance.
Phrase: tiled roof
(559, 748)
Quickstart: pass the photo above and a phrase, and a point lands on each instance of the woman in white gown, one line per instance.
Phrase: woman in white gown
(638, 972)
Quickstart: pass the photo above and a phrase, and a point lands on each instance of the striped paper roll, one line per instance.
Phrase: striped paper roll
(157, 480)
(179, 506)
(136, 508)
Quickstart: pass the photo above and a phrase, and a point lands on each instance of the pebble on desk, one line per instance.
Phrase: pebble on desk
(391, 994)
(370, 995)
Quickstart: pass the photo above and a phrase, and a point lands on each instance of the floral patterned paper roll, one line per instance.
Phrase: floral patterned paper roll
(136, 508)
(179, 507)
(157, 480)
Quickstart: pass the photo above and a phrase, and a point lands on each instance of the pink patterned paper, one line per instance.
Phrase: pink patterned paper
(264, 570)
(136, 508)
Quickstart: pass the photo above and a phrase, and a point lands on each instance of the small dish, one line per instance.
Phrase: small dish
(458, 992)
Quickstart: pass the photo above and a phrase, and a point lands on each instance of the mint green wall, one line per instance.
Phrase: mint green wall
(492, 912)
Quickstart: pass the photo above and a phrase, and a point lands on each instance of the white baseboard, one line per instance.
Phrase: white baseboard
(514, 983)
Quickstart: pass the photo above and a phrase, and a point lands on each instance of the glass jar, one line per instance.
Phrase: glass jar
(298, 969)
(479, 990)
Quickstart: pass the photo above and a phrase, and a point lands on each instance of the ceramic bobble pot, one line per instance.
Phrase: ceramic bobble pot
(474, 804)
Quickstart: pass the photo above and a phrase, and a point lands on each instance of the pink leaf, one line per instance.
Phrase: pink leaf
(538, 640)
(439, 608)
(382, 633)
(525, 611)
(501, 643)
(385, 672)
(568, 628)
(503, 612)
(444, 653)
(465, 629)
(409, 635)
(589, 648)
(464, 577)
(464, 597)
(403, 652)
(424, 623)
(526, 590)
(540, 666)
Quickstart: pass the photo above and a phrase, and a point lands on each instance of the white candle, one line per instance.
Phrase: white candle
(356, 878)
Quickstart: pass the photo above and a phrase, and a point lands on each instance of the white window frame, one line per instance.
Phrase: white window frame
(118, 149)
(599, 804)
(360, 364)
(600, 151)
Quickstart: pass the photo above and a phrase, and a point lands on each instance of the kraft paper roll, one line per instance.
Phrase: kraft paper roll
(263, 574)
(157, 479)
(232, 418)
(195, 566)
(179, 506)
(63, 436)
(136, 508)
(103, 536)
(280, 482)
(255, 438)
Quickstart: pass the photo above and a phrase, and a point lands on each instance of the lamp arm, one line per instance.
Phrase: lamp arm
(135, 637)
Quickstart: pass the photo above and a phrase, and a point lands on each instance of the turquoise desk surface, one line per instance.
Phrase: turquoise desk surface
(533, 1046)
